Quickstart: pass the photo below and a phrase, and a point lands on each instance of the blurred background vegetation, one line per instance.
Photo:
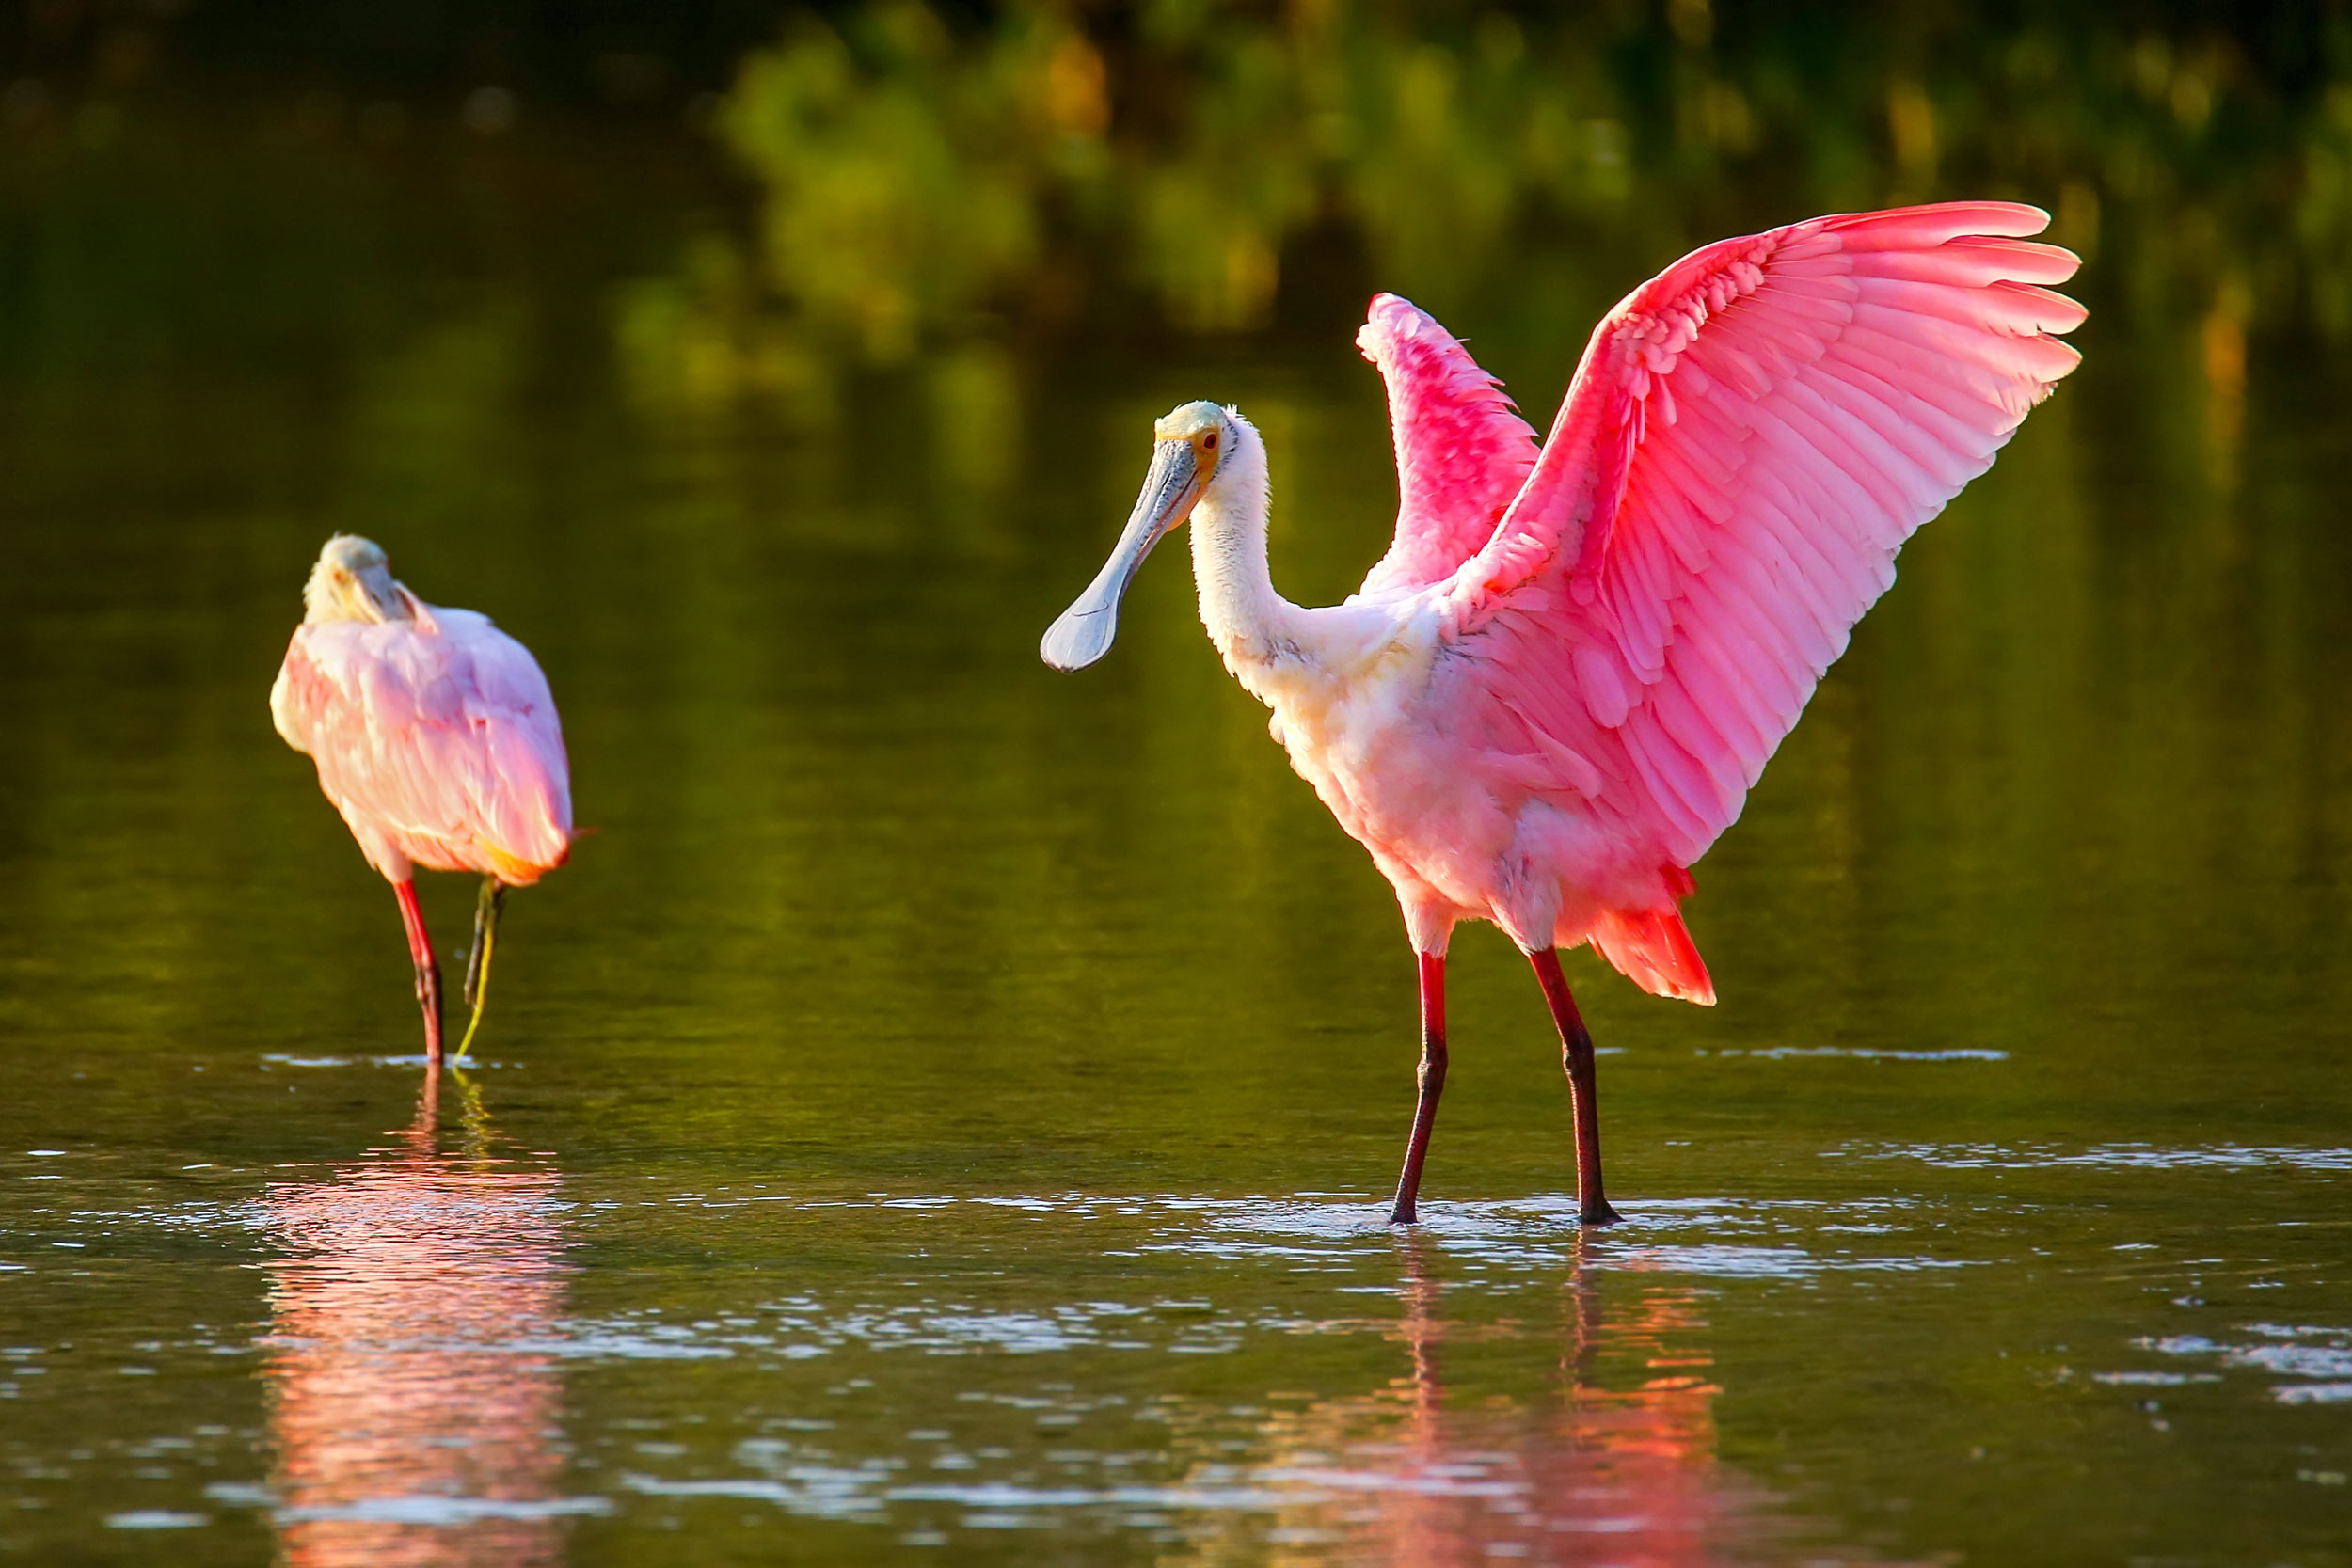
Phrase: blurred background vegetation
(770, 204)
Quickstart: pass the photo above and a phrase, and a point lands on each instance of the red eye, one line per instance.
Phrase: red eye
(1210, 440)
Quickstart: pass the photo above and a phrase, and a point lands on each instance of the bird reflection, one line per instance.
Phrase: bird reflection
(413, 1422)
(1613, 1461)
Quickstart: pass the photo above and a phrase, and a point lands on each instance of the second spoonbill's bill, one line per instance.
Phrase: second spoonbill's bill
(437, 738)
(1556, 689)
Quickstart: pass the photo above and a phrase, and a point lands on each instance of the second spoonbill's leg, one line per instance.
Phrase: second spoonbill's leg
(485, 934)
(1431, 1077)
(428, 972)
(1576, 1057)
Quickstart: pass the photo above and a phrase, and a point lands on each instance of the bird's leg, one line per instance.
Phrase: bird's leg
(428, 972)
(1431, 1078)
(484, 913)
(1576, 1056)
(485, 933)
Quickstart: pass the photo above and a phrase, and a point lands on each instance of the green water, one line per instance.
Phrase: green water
(942, 1112)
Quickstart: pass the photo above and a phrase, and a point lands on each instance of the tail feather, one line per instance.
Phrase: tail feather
(1653, 949)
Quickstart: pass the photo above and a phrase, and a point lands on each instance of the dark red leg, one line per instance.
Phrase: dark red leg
(1576, 1055)
(428, 973)
(1432, 1081)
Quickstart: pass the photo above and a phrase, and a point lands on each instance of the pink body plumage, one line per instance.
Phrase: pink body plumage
(436, 738)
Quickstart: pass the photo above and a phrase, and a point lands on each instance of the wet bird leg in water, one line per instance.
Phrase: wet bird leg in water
(485, 932)
(1432, 1081)
(1576, 1057)
(428, 972)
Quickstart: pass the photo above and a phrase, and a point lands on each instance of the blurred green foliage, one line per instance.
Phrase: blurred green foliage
(929, 187)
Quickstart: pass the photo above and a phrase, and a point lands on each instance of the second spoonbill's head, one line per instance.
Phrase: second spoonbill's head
(353, 581)
(1190, 446)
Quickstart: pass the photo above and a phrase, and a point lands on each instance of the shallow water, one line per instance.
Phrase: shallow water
(943, 1111)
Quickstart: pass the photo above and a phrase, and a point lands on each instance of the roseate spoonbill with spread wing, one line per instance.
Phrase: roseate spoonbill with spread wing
(1558, 685)
(436, 738)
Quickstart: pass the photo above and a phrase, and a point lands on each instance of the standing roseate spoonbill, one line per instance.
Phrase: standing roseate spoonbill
(436, 738)
(1558, 685)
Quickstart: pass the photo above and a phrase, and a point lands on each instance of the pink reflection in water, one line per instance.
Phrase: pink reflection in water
(1613, 1463)
(413, 1424)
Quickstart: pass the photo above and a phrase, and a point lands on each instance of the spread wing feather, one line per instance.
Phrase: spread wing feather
(1749, 440)
(1462, 450)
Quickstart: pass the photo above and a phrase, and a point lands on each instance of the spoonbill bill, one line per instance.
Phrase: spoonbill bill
(436, 737)
(1557, 686)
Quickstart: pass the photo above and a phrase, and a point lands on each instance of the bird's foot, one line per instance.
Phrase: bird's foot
(1597, 1212)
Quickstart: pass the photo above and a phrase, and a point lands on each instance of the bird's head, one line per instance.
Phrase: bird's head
(353, 581)
(1189, 447)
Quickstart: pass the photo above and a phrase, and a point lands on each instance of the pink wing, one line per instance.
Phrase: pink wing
(438, 740)
(1462, 450)
(1750, 440)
